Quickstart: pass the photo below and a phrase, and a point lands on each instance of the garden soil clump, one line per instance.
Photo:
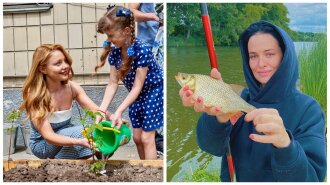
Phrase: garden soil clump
(59, 171)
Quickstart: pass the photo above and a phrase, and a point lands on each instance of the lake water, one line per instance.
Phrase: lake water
(183, 154)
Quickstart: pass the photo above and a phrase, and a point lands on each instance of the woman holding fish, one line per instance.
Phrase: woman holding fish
(283, 138)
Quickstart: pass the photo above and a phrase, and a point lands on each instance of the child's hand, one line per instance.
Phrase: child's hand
(125, 121)
(116, 119)
(100, 116)
(98, 119)
(108, 115)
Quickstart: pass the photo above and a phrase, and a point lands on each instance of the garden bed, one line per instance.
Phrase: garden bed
(55, 170)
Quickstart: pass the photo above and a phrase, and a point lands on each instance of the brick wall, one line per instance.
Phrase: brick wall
(72, 25)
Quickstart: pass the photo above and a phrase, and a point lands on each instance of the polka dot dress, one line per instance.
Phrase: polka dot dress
(147, 110)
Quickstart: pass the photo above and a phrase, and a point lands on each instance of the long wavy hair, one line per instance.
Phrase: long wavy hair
(36, 98)
(111, 21)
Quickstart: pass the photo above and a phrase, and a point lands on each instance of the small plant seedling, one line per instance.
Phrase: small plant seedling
(89, 128)
(12, 117)
(96, 166)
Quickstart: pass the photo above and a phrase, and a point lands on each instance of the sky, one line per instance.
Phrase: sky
(307, 17)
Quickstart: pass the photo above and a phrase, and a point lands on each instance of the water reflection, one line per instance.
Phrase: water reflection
(183, 154)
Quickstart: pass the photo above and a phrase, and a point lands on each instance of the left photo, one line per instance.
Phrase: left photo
(83, 92)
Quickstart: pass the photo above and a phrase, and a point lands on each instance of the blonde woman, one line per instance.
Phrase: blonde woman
(48, 94)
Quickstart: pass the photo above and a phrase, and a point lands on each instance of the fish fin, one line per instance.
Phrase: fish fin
(237, 88)
(233, 118)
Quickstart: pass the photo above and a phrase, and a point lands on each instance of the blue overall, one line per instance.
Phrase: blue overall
(43, 150)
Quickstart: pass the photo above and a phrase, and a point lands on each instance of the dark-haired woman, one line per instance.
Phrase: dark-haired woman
(284, 138)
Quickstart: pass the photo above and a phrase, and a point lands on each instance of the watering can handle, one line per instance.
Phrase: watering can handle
(113, 129)
(83, 132)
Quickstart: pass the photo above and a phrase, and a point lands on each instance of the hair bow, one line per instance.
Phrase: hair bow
(123, 12)
(110, 7)
(105, 43)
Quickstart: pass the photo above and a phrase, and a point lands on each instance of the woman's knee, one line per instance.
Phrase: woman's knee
(39, 154)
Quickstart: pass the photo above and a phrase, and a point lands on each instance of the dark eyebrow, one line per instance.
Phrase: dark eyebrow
(269, 50)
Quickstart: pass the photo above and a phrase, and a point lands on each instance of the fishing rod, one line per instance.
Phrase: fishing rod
(214, 64)
(208, 36)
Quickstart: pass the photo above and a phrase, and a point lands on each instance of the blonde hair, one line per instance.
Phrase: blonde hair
(36, 98)
(111, 21)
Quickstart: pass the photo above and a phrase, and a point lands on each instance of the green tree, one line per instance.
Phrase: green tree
(228, 21)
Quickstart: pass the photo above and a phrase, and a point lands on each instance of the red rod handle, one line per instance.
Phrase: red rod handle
(231, 167)
(209, 41)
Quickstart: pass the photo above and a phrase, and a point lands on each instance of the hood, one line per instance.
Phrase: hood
(283, 82)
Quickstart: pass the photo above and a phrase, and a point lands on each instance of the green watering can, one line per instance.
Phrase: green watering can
(110, 139)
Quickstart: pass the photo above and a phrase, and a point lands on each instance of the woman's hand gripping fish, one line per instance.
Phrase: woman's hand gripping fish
(215, 93)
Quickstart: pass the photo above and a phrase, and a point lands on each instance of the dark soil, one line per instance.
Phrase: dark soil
(54, 171)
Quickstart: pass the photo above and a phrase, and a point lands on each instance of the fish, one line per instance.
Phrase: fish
(216, 93)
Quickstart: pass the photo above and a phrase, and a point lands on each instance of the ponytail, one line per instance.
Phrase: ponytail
(104, 56)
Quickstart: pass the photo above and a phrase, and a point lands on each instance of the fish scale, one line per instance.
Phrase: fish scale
(214, 92)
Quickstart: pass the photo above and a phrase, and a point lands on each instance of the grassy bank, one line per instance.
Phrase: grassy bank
(203, 175)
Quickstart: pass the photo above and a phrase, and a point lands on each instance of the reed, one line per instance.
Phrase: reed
(313, 71)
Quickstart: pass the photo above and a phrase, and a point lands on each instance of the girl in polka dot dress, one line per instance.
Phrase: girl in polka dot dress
(132, 62)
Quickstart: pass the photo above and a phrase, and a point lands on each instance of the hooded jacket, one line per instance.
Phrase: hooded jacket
(303, 160)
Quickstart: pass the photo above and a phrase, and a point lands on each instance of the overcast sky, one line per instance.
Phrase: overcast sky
(307, 17)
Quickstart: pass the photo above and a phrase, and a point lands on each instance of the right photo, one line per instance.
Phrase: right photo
(246, 92)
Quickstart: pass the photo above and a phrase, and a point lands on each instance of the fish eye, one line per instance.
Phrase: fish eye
(183, 77)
